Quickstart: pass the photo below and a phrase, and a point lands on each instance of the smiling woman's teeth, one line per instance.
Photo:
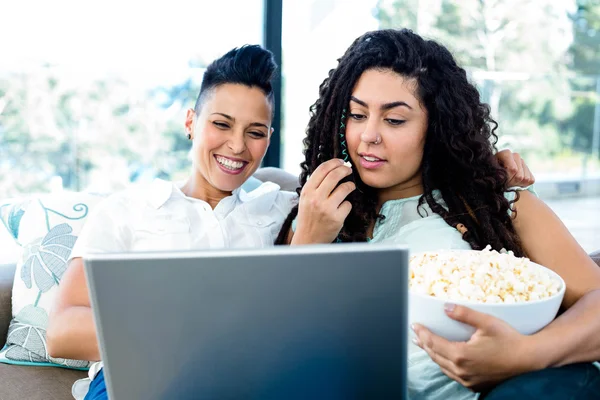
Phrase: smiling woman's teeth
(371, 159)
(230, 164)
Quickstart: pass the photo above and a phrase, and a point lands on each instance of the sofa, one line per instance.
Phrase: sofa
(53, 383)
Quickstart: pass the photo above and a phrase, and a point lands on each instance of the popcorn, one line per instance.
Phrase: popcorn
(348, 164)
(485, 276)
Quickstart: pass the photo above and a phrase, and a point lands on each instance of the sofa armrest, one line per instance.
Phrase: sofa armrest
(7, 273)
(596, 257)
(284, 179)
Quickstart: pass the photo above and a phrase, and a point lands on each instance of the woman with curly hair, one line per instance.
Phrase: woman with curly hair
(423, 173)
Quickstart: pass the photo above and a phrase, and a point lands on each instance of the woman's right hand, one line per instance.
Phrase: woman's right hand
(323, 208)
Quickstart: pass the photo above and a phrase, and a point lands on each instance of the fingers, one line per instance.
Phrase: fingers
(341, 192)
(343, 210)
(440, 360)
(333, 178)
(507, 159)
(453, 376)
(517, 178)
(321, 172)
(450, 356)
(468, 316)
(433, 343)
(516, 171)
(528, 178)
(322, 205)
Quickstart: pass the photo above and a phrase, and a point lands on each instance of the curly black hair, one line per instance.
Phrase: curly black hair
(459, 153)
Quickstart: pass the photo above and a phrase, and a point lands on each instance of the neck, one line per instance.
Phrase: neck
(199, 188)
(411, 188)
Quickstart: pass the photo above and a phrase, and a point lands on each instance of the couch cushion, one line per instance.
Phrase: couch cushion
(37, 383)
(46, 228)
(7, 273)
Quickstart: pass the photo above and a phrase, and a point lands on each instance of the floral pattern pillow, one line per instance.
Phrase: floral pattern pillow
(46, 229)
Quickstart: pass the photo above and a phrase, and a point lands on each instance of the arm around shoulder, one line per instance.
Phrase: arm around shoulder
(548, 242)
(573, 336)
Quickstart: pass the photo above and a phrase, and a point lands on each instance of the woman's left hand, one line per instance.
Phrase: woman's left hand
(493, 354)
(519, 174)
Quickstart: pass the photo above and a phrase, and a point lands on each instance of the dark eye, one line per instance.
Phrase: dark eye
(257, 134)
(220, 125)
(395, 122)
(357, 117)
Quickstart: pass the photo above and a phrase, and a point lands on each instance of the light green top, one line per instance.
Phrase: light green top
(420, 232)
(426, 231)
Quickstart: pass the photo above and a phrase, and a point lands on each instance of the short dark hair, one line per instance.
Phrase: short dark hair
(249, 65)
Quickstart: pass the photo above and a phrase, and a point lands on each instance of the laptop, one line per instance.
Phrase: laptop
(307, 322)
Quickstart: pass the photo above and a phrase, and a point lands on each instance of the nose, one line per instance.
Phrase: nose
(370, 134)
(237, 143)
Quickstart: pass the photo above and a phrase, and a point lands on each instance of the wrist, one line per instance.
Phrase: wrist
(299, 239)
(534, 355)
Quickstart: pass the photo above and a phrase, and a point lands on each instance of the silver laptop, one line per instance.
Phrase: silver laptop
(308, 322)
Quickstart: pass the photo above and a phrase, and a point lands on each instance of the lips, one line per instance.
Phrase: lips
(370, 161)
(230, 165)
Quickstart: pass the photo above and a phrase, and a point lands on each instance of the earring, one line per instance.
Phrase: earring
(461, 228)
(189, 136)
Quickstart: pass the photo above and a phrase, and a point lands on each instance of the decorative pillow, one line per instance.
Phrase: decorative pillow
(46, 229)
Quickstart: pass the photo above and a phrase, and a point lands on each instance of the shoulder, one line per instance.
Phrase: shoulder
(136, 197)
(287, 199)
(528, 206)
(528, 192)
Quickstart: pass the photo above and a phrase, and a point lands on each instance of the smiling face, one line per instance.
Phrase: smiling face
(385, 132)
(230, 135)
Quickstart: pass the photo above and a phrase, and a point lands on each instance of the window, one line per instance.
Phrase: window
(93, 97)
(315, 34)
(536, 62)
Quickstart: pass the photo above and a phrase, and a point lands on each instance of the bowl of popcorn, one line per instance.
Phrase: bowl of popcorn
(514, 289)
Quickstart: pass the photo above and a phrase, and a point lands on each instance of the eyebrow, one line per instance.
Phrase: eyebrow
(384, 107)
(229, 117)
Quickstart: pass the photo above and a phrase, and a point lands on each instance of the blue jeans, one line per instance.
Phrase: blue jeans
(97, 390)
(571, 382)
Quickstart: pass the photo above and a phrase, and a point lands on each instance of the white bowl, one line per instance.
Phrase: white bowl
(526, 317)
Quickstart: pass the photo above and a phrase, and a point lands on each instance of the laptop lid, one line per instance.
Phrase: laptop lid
(303, 322)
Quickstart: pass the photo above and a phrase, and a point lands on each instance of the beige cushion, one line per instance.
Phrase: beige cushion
(37, 383)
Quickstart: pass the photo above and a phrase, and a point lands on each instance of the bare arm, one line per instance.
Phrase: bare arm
(71, 331)
(572, 337)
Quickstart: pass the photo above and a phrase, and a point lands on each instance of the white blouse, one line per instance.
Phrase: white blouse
(159, 217)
